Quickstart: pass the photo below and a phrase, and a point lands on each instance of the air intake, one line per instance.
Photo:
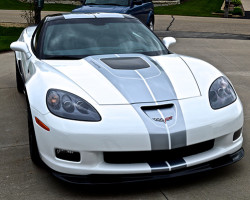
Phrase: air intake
(128, 63)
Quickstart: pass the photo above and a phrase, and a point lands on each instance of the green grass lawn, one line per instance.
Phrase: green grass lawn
(203, 8)
(189, 8)
(7, 36)
(17, 5)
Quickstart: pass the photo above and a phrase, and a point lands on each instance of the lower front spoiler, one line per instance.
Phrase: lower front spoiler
(127, 178)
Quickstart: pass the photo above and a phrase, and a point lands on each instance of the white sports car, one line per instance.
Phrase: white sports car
(108, 102)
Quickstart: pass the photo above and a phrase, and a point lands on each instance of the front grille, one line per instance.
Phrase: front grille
(156, 156)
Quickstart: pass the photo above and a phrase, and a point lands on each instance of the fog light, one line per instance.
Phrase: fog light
(68, 155)
(237, 134)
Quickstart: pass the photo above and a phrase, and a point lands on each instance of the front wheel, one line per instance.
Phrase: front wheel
(19, 80)
(34, 152)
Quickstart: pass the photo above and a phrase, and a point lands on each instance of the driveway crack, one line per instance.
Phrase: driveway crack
(164, 194)
(170, 23)
(13, 146)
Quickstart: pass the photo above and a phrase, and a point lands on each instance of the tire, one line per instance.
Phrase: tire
(151, 24)
(34, 152)
(19, 80)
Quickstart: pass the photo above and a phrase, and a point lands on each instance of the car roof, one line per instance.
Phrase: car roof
(85, 16)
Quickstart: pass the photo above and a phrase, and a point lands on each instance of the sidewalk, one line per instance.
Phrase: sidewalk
(203, 24)
(14, 16)
(181, 23)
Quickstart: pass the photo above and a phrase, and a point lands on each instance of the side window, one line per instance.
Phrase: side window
(36, 37)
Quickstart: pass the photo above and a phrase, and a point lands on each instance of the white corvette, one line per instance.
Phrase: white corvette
(107, 102)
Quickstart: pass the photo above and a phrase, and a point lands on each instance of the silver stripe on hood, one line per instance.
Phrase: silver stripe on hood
(148, 87)
(131, 85)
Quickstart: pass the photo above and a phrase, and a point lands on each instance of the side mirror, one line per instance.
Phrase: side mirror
(21, 46)
(167, 41)
(137, 2)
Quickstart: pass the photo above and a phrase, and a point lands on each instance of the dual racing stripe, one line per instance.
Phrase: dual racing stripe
(144, 86)
(168, 165)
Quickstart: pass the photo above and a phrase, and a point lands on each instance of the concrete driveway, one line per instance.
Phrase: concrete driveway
(20, 179)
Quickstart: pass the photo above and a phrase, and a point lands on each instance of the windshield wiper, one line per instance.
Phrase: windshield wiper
(62, 58)
(112, 4)
(91, 4)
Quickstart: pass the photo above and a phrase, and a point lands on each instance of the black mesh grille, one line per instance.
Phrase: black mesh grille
(156, 156)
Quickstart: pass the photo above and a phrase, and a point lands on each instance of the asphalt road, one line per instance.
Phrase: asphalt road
(20, 179)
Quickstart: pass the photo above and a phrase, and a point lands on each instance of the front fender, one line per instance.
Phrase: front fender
(46, 77)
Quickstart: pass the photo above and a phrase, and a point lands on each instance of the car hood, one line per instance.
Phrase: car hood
(101, 8)
(135, 78)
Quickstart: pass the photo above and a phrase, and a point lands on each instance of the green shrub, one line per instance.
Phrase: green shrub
(237, 11)
(236, 2)
(219, 11)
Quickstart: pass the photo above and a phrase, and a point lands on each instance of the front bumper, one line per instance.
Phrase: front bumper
(92, 140)
(127, 178)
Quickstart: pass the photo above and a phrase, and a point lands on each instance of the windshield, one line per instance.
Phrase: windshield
(107, 2)
(78, 38)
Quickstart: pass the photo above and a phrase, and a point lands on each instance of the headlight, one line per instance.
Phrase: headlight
(66, 105)
(221, 93)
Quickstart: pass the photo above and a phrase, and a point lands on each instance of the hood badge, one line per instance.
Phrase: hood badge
(163, 120)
